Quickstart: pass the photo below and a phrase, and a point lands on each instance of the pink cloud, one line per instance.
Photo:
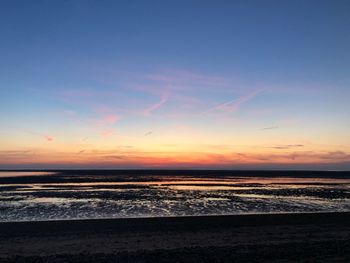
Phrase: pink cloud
(108, 119)
(234, 105)
(163, 99)
(48, 138)
(106, 133)
(104, 124)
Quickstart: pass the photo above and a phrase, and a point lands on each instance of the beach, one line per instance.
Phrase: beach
(174, 131)
(89, 194)
(302, 237)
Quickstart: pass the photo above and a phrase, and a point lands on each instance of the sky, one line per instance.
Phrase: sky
(175, 84)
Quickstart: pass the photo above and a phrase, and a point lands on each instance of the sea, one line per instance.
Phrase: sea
(93, 194)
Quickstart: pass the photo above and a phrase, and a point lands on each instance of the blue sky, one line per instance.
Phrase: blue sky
(197, 73)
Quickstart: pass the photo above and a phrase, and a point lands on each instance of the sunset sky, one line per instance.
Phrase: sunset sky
(175, 84)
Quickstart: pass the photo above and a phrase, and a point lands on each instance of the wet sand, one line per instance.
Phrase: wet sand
(317, 237)
(88, 194)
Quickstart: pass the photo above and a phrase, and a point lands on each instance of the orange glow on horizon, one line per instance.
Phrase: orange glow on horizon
(135, 158)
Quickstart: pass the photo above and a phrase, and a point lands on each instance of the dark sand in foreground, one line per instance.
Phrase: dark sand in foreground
(246, 238)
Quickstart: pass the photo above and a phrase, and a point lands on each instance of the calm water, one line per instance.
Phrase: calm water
(115, 194)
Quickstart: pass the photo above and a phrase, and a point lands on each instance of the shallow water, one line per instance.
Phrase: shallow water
(23, 173)
(108, 194)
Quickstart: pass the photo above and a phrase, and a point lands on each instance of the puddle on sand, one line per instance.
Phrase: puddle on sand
(65, 198)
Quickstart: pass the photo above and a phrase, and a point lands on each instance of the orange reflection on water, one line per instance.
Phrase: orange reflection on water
(20, 174)
(226, 183)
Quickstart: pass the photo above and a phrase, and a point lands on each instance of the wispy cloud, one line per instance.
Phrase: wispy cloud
(269, 128)
(108, 119)
(47, 137)
(163, 99)
(138, 158)
(106, 133)
(305, 156)
(233, 105)
(338, 155)
(16, 152)
(180, 77)
(114, 157)
(286, 146)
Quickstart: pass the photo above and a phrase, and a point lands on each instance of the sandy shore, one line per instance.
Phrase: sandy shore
(323, 237)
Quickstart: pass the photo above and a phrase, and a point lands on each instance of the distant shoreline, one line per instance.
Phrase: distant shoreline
(198, 172)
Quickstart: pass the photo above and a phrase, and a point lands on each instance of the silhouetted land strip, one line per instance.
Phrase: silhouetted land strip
(318, 237)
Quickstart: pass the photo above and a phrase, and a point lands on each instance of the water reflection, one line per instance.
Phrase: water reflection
(58, 196)
(20, 173)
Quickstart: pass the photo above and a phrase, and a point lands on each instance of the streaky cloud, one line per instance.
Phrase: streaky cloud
(163, 99)
(47, 137)
(233, 105)
(187, 77)
(286, 146)
(148, 133)
(269, 128)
